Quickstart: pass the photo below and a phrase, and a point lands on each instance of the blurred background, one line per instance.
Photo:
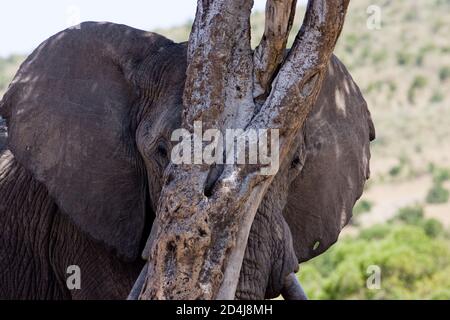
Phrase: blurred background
(397, 245)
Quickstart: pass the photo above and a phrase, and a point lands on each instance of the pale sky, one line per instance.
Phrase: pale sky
(24, 24)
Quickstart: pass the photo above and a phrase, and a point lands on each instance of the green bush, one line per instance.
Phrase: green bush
(439, 174)
(402, 166)
(419, 82)
(414, 215)
(404, 58)
(444, 73)
(395, 170)
(423, 52)
(433, 228)
(361, 207)
(376, 232)
(437, 97)
(410, 215)
(437, 194)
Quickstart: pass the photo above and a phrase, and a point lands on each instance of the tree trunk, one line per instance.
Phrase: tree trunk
(205, 211)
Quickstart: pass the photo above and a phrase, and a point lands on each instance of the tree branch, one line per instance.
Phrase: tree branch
(219, 76)
(270, 52)
(295, 89)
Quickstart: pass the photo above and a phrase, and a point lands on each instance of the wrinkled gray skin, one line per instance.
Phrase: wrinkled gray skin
(90, 114)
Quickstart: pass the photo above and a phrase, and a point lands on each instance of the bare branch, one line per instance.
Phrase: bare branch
(299, 80)
(270, 52)
(219, 75)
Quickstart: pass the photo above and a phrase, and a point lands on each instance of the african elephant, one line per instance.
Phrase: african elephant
(90, 115)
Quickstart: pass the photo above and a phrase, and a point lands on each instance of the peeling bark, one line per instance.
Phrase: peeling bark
(201, 239)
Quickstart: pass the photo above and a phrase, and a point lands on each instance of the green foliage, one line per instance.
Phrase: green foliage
(439, 174)
(414, 215)
(414, 259)
(410, 215)
(422, 53)
(433, 228)
(404, 58)
(437, 97)
(419, 82)
(362, 206)
(437, 194)
(401, 167)
(444, 73)
(395, 170)
(377, 232)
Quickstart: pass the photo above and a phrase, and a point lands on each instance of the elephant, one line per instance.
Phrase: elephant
(89, 116)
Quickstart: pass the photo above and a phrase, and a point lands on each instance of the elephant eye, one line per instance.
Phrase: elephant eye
(295, 162)
(162, 149)
(161, 154)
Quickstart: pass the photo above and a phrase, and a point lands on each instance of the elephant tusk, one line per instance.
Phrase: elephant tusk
(151, 238)
(137, 287)
(292, 289)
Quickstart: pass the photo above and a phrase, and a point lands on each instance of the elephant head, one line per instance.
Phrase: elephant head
(91, 112)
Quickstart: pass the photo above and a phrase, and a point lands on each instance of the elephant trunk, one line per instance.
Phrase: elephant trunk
(292, 289)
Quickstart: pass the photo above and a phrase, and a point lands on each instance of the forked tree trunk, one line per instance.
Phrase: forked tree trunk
(205, 212)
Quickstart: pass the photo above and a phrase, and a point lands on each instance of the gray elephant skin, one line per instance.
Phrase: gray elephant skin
(90, 114)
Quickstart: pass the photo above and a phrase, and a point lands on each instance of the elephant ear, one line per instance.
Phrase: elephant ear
(70, 120)
(336, 137)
